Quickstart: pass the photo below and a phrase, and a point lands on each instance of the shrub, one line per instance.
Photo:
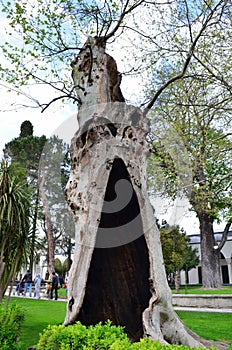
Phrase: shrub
(79, 336)
(100, 337)
(11, 319)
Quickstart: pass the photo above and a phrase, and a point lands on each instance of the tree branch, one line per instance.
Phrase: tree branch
(56, 99)
(187, 61)
(224, 235)
(123, 14)
(217, 77)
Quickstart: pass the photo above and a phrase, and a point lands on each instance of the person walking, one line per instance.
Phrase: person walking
(37, 282)
(20, 286)
(55, 283)
(28, 283)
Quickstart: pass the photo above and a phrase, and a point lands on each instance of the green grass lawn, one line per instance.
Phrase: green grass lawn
(199, 290)
(40, 313)
(209, 325)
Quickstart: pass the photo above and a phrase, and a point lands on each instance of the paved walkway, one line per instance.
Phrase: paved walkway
(42, 297)
(202, 309)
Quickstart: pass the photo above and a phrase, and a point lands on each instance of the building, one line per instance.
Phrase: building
(194, 275)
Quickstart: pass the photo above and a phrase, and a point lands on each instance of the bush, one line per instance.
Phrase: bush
(11, 319)
(104, 337)
(79, 336)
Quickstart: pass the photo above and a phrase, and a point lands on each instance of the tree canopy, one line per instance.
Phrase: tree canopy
(196, 115)
(178, 254)
(49, 34)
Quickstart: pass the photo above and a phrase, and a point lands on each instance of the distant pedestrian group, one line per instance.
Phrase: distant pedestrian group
(25, 284)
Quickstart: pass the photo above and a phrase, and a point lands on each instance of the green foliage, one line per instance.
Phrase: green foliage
(193, 116)
(79, 336)
(37, 156)
(11, 319)
(61, 268)
(197, 111)
(40, 313)
(177, 254)
(54, 173)
(46, 37)
(26, 150)
(174, 246)
(191, 259)
(100, 336)
(26, 129)
(14, 222)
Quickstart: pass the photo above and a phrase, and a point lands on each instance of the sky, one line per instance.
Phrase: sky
(44, 124)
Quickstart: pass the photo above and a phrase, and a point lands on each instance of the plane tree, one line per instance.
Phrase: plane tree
(118, 256)
(198, 112)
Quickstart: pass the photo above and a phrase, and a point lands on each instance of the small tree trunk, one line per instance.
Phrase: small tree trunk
(69, 253)
(34, 225)
(177, 281)
(2, 285)
(210, 255)
(117, 271)
(48, 225)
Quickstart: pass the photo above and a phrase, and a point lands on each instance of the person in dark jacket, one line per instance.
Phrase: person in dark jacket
(55, 283)
(28, 283)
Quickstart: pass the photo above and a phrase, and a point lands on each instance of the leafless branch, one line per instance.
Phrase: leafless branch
(57, 99)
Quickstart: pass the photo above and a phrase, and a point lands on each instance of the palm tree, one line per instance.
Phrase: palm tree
(14, 222)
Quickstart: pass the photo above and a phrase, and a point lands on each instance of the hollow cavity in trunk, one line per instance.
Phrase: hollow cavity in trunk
(118, 281)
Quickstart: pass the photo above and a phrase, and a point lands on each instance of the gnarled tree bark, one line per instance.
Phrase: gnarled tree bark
(117, 271)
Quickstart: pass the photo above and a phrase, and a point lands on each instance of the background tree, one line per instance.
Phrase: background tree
(26, 129)
(194, 115)
(14, 223)
(177, 252)
(61, 268)
(54, 169)
(191, 261)
(26, 150)
(30, 151)
(200, 118)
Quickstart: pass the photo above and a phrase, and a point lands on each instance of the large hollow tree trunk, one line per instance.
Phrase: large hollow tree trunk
(210, 254)
(117, 271)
